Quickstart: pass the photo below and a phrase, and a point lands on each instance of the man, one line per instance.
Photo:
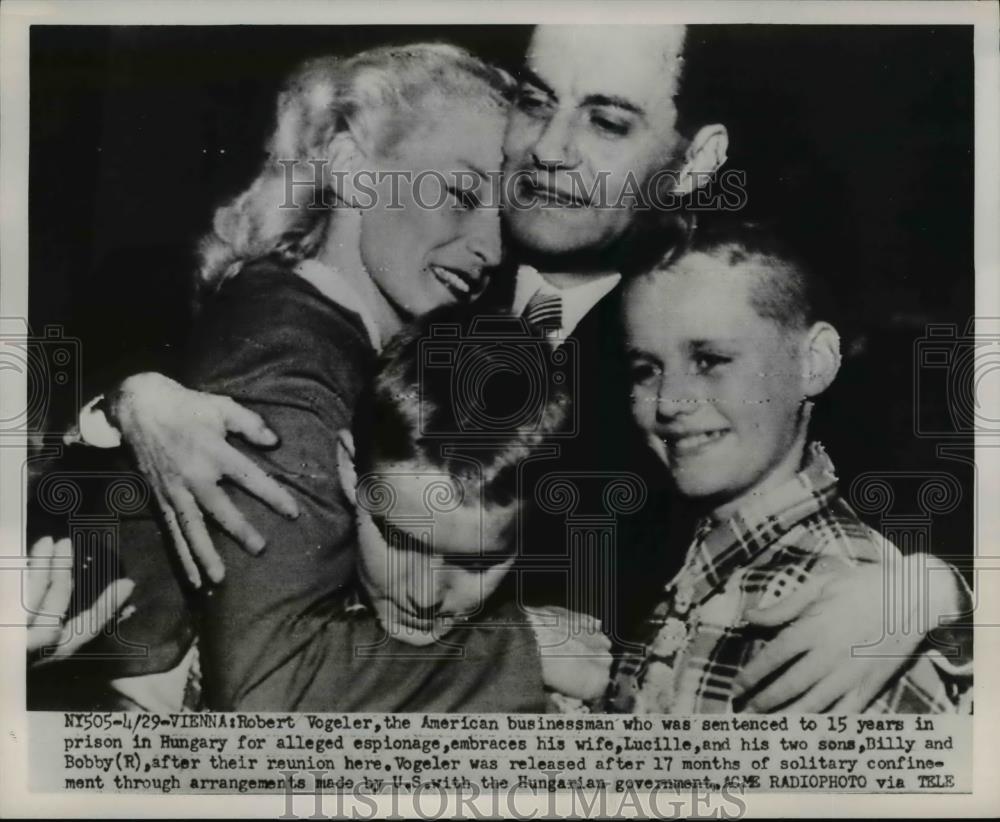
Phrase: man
(592, 146)
(594, 129)
(596, 106)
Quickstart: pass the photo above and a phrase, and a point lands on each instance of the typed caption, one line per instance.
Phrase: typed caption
(378, 753)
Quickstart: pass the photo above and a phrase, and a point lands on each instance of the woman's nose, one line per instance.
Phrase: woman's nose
(484, 243)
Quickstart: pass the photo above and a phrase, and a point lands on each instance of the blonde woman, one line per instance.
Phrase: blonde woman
(304, 283)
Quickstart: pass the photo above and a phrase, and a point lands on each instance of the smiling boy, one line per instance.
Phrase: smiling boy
(728, 349)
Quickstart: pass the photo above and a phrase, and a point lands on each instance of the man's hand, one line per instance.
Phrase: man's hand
(575, 653)
(49, 586)
(849, 632)
(178, 437)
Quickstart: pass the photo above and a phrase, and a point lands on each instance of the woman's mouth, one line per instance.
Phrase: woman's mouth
(457, 282)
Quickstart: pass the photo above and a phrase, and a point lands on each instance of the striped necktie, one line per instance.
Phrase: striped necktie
(544, 310)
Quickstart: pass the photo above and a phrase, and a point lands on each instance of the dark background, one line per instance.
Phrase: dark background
(858, 138)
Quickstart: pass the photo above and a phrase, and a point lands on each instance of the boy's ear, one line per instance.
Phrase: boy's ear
(494, 575)
(704, 156)
(345, 465)
(822, 358)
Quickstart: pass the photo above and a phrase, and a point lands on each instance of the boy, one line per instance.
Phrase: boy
(433, 623)
(727, 351)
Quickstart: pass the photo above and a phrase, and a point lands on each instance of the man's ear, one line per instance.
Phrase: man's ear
(822, 358)
(704, 156)
(345, 465)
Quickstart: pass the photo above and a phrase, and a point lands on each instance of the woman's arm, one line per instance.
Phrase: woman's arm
(276, 347)
(178, 439)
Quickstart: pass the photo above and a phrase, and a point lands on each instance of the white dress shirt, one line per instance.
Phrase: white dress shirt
(577, 300)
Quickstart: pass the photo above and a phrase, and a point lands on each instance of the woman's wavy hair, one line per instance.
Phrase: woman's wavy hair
(375, 95)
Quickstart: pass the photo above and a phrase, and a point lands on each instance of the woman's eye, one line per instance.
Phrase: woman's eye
(530, 102)
(465, 199)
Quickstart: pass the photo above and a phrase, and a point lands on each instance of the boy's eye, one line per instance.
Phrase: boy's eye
(476, 564)
(643, 372)
(707, 362)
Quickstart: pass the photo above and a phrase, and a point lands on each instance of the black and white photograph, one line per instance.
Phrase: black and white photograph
(396, 394)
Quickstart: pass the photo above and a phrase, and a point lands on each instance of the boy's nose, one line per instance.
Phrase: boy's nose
(426, 612)
(425, 597)
(677, 395)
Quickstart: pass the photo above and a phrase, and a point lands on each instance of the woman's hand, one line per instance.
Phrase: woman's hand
(48, 591)
(848, 632)
(575, 652)
(178, 437)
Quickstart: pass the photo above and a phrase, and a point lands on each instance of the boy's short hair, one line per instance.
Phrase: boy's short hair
(787, 291)
(412, 408)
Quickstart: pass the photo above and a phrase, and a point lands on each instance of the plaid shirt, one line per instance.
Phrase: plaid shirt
(697, 642)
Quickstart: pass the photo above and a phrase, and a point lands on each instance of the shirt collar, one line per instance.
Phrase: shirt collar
(332, 285)
(720, 547)
(577, 300)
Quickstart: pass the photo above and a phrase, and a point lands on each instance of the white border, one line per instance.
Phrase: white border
(15, 18)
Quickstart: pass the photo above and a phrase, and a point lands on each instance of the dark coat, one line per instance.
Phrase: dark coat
(609, 553)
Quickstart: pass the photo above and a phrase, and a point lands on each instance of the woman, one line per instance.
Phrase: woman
(319, 261)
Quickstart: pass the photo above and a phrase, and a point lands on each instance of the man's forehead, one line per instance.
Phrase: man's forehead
(638, 63)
